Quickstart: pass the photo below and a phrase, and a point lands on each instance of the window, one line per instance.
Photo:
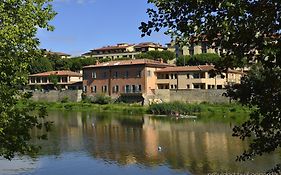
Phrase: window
(149, 73)
(94, 89)
(175, 86)
(38, 80)
(94, 75)
(64, 79)
(188, 76)
(104, 89)
(126, 74)
(196, 75)
(32, 79)
(134, 88)
(85, 88)
(202, 75)
(172, 86)
(139, 88)
(188, 86)
(139, 74)
(115, 75)
(167, 76)
(44, 79)
(127, 89)
(115, 89)
(176, 76)
(172, 76)
(219, 86)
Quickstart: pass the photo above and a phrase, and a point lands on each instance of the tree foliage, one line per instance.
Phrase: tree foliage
(244, 31)
(19, 22)
(155, 55)
(198, 59)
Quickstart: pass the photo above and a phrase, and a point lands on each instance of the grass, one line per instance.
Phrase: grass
(205, 111)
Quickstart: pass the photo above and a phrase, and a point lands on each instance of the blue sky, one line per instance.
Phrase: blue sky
(81, 25)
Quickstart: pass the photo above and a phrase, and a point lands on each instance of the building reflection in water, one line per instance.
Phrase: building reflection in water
(197, 147)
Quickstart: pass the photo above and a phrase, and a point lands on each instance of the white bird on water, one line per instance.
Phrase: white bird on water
(159, 148)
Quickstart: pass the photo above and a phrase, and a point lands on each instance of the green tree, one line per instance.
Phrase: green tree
(40, 64)
(156, 55)
(19, 22)
(247, 31)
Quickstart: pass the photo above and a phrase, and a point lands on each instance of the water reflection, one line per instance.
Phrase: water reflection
(187, 145)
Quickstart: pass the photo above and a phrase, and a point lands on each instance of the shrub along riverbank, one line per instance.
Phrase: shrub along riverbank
(204, 110)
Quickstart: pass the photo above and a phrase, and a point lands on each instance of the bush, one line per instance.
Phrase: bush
(101, 99)
(173, 108)
(64, 100)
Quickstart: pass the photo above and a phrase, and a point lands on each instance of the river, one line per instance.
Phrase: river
(89, 143)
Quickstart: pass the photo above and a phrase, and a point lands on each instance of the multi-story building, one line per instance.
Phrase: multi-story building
(123, 50)
(193, 49)
(195, 77)
(64, 79)
(122, 77)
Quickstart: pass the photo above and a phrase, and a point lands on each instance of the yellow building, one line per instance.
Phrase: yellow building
(194, 77)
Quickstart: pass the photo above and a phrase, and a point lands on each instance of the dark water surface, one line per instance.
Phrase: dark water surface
(89, 143)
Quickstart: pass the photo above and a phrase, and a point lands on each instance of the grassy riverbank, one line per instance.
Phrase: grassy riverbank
(204, 110)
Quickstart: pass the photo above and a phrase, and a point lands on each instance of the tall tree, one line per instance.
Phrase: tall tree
(243, 30)
(19, 22)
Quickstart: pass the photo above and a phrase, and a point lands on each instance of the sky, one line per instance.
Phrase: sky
(82, 25)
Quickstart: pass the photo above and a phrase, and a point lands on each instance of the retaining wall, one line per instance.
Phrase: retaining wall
(56, 96)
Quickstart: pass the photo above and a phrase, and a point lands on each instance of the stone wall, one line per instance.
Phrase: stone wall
(56, 96)
(190, 96)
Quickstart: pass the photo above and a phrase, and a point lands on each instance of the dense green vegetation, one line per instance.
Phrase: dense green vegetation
(198, 59)
(19, 22)
(156, 55)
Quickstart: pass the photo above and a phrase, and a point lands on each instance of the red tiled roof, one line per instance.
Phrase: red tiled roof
(59, 73)
(187, 68)
(131, 62)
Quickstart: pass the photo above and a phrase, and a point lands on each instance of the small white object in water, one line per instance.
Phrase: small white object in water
(159, 148)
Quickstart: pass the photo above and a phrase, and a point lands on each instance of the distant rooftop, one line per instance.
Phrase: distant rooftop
(55, 53)
(59, 73)
(131, 62)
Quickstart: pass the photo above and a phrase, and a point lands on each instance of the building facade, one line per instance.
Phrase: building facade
(56, 79)
(195, 77)
(122, 77)
(123, 50)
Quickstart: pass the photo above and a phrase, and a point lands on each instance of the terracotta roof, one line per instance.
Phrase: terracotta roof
(59, 73)
(131, 62)
(113, 47)
(187, 68)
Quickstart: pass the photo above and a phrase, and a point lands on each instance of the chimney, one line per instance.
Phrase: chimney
(161, 60)
(97, 62)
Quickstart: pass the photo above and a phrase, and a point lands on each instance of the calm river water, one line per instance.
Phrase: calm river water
(86, 143)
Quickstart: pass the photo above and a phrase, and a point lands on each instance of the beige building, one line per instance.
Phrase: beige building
(194, 77)
(123, 50)
(65, 80)
(122, 77)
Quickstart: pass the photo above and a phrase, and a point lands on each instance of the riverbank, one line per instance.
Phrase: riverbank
(204, 110)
